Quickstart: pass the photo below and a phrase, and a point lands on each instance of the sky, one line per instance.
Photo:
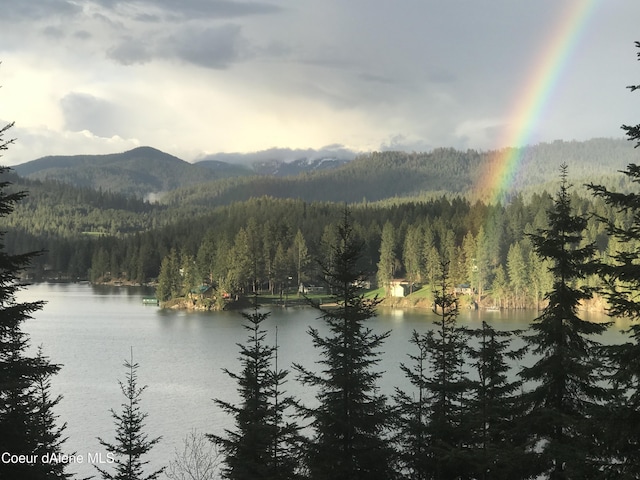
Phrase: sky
(198, 77)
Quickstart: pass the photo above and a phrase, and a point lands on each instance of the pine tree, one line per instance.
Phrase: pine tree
(263, 443)
(27, 421)
(351, 419)
(300, 256)
(169, 281)
(493, 406)
(48, 437)
(566, 394)
(447, 384)
(387, 263)
(131, 442)
(621, 276)
(411, 414)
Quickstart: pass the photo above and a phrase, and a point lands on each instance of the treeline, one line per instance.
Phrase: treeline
(264, 244)
(383, 175)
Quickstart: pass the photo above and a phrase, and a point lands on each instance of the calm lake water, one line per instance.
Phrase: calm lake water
(91, 330)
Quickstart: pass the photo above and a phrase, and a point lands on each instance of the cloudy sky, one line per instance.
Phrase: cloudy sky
(195, 77)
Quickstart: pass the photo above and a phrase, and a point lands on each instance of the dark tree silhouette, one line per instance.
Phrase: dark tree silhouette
(621, 277)
(131, 442)
(352, 418)
(563, 402)
(27, 421)
(263, 443)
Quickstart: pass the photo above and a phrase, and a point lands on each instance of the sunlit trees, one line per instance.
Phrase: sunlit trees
(351, 419)
(412, 255)
(387, 263)
(300, 257)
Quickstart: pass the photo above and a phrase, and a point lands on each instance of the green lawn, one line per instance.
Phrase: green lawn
(424, 292)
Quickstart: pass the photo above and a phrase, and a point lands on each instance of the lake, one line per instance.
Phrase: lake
(91, 331)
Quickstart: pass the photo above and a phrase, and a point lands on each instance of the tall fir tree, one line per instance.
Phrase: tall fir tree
(49, 437)
(352, 418)
(387, 263)
(131, 442)
(27, 420)
(493, 405)
(263, 444)
(412, 414)
(621, 277)
(566, 391)
(447, 384)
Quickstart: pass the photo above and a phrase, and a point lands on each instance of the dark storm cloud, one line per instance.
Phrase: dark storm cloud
(213, 47)
(210, 47)
(87, 112)
(370, 77)
(37, 9)
(82, 35)
(147, 18)
(54, 33)
(200, 8)
(130, 51)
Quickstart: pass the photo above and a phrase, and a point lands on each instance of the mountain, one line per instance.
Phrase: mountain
(145, 172)
(386, 175)
(138, 172)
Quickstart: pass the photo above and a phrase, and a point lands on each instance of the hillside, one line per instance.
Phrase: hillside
(146, 172)
(380, 176)
(138, 172)
(78, 226)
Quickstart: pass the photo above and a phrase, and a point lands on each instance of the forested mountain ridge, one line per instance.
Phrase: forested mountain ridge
(145, 172)
(372, 177)
(79, 226)
(138, 172)
(379, 176)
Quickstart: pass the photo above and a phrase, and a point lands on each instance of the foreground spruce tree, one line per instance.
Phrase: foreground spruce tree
(263, 444)
(621, 276)
(566, 392)
(448, 432)
(48, 436)
(27, 421)
(131, 443)
(412, 414)
(351, 419)
(493, 406)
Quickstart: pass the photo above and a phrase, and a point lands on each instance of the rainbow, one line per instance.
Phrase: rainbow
(534, 98)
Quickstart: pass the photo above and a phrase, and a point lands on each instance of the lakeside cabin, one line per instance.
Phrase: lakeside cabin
(399, 288)
(309, 289)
